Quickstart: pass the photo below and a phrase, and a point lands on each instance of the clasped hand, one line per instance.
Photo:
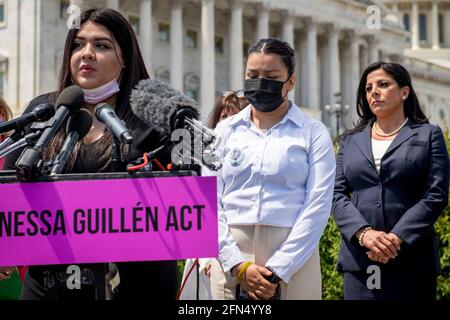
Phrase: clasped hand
(256, 285)
(383, 246)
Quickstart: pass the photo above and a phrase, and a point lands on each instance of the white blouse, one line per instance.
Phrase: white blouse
(283, 177)
(379, 148)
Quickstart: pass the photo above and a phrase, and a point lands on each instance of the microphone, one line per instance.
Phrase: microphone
(106, 114)
(161, 106)
(70, 100)
(166, 109)
(42, 112)
(77, 127)
(25, 141)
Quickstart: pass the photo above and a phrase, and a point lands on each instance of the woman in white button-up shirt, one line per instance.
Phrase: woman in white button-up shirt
(275, 187)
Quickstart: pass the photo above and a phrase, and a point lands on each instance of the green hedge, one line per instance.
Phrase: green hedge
(332, 282)
(443, 235)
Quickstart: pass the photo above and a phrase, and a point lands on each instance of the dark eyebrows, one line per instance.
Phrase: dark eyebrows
(378, 81)
(95, 39)
(267, 70)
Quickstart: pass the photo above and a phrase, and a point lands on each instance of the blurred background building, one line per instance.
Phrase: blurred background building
(199, 46)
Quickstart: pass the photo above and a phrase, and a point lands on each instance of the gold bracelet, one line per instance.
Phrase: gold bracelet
(361, 236)
(242, 270)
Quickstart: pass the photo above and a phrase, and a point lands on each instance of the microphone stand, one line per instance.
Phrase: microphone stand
(116, 166)
(116, 158)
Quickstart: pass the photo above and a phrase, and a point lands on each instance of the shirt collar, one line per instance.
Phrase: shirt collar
(294, 114)
(242, 116)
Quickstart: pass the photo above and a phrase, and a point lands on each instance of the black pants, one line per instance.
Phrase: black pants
(395, 285)
(154, 280)
(51, 283)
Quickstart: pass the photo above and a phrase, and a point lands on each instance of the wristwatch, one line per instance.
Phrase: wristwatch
(273, 278)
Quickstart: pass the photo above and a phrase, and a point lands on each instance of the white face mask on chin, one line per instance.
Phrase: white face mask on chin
(97, 95)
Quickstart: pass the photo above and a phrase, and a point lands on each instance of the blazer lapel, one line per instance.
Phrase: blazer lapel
(364, 144)
(405, 133)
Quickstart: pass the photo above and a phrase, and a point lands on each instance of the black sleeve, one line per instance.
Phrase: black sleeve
(11, 159)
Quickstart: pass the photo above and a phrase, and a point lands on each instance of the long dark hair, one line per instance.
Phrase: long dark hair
(123, 33)
(133, 72)
(411, 106)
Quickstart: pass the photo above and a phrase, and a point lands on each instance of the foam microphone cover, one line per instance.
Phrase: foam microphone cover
(72, 98)
(43, 112)
(81, 122)
(160, 106)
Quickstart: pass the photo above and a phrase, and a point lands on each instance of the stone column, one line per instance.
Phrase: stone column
(236, 46)
(333, 62)
(145, 33)
(447, 27)
(303, 71)
(363, 56)
(12, 92)
(208, 73)
(263, 13)
(176, 45)
(372, 47)
(333, 75)
(415, 25)
(353, 74)
(311, 66)
(288, 36)
(435, 25)
(288, 28)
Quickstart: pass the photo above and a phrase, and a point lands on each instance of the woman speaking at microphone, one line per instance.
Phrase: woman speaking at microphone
(274, 189)
(104, 59)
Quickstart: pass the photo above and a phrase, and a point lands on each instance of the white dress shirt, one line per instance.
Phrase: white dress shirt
(379, 148)
(283, 177)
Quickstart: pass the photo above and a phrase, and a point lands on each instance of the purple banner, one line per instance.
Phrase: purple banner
(93, 221)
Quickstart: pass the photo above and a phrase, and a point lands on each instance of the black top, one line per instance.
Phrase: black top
(49, 282)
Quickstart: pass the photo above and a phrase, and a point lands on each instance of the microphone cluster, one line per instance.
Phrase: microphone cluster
(159, 106)
(169, 111)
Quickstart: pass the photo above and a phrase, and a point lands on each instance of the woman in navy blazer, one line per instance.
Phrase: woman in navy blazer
(392, 182)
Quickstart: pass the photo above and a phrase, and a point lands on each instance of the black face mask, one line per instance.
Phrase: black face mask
(264, 94)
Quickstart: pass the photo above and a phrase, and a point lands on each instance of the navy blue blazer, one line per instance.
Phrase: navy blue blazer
(406, 198)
